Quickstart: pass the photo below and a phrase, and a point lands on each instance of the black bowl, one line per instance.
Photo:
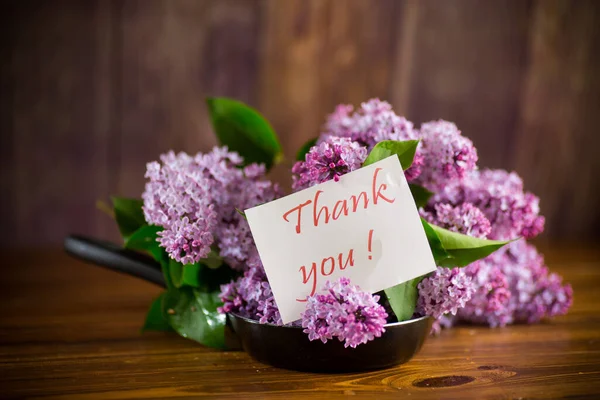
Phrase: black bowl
(289, 347)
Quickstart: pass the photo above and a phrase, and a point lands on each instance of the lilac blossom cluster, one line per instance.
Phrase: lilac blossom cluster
(443, 153)
(330, 159)
(345, 312)
(487, 304)
(515, 286)
(464, 218)
(447, 155)
(194, 200)
(373, 122)
(444, 292)
(250, 296)
(511, 211)
(511, 285)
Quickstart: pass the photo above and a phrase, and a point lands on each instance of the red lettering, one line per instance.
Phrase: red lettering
(299, 209)
(350, 260)
(313, 274)
(383, 186)
(355, 200)
(343, 208)
(327, 268)
(332, 266)
(317, 216)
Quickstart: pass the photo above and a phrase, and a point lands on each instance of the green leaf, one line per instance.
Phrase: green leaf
(193, 314)
(244, 130)
(184, 275)
(156, 320)
(403, 298)
(404, 150)
(462, 249)
(129, 215)
(199, 275)
(435, 244)
(301, 154)
(145, 239)
(420, 194)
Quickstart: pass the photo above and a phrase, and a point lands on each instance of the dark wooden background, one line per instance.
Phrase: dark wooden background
(92, 90)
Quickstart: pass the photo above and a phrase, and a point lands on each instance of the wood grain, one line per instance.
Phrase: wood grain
(467, 60)
(92, 91)
(172, 55)
(316, 55)
(561, 96)
(58, 106)
(71, 331)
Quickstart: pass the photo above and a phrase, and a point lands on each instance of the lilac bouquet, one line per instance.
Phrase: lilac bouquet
(476, 220)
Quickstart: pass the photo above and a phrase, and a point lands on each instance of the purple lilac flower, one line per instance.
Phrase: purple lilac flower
(535, 293)
(233, 233)
(195, 199)
(416, 167)
(444, 292)
(268, 312)
(489, 303)
(250, 296)
(444, 321)
(465, 218)
(447, 155)
(345, 312)
(515, 286)
(242, 296)
(373, 122)
(500, 196)
(330, 159)
(177, 198)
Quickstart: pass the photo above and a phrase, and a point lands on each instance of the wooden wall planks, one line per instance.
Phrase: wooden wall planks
(557, 136)
(467, 61)
(59, 148)
(92, 91)
(317, 55)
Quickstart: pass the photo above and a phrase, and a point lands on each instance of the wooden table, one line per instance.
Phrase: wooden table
(69, 330)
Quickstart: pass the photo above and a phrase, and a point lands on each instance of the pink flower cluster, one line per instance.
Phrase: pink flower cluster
(447, 155)
(511, 211)
(330, 159)
(464, 218)
(195, 199)
(515, 286)
(373, 122)
(443, 153)
(345, 312)
(250, 295)
(444, 292)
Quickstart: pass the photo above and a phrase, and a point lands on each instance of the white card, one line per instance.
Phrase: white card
(325, 232)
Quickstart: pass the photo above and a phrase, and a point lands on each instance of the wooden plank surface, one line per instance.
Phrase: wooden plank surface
(71, 331)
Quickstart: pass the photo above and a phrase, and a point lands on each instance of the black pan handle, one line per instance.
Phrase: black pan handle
(114, 257)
